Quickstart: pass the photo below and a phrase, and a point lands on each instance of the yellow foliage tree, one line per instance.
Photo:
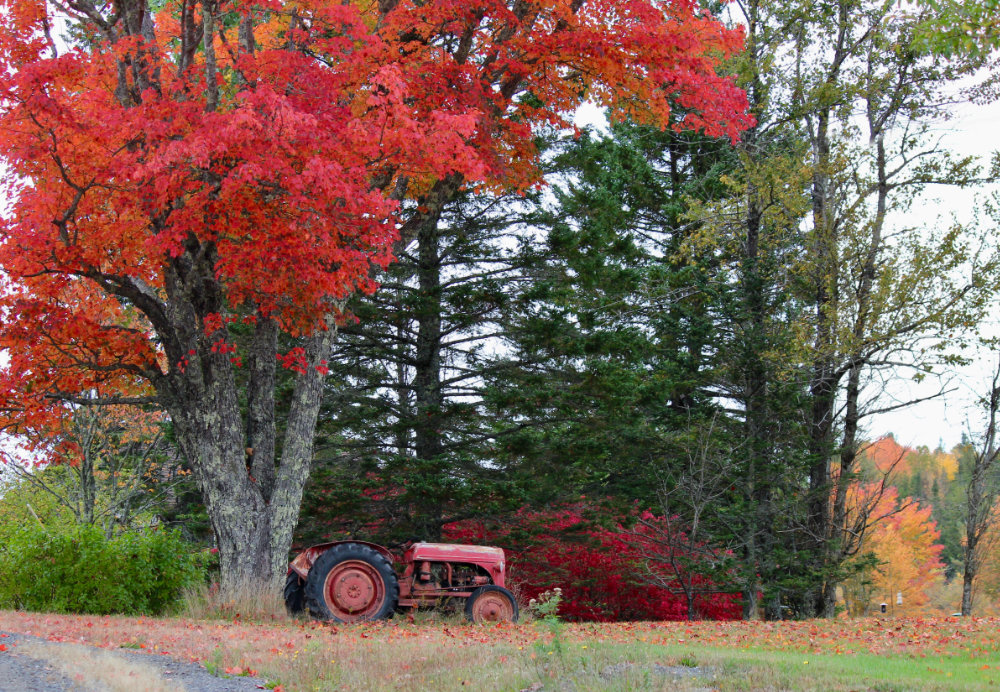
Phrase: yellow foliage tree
(903, 540)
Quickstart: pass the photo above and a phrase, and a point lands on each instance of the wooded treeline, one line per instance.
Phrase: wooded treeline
(673, 321)
(690, 312)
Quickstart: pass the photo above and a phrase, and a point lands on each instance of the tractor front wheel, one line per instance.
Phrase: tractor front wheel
(491, 603)
(351, 582)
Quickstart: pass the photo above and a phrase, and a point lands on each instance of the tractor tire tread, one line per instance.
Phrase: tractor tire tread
(295, 597)
(316, 603)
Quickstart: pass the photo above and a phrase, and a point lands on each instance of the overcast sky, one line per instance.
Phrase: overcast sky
(975, 131)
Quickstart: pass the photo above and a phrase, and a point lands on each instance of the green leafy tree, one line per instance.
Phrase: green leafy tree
(883, 295)
(110, 467)
(958, 27)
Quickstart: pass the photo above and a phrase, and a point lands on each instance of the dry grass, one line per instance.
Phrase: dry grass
(439, 652)
(88, 666)
(254, 603)
(423, 663)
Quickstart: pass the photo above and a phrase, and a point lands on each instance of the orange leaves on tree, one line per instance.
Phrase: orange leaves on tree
(904, 540)
(289, 186)
(294, 360)
(888, 455)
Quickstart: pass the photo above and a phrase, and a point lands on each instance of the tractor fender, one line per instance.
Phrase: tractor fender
(303, 562)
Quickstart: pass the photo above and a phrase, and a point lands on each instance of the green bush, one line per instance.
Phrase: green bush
(77, 570)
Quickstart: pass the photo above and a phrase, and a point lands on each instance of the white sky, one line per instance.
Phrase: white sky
(975, 131)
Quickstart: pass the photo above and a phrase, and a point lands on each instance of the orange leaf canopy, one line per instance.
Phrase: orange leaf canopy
(277, 154)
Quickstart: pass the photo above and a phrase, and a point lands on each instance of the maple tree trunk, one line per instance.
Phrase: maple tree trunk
(838, 546)
(251, 498)
(823, 385)
(824, 381)
(253, 533)
(981, 496)
(207, 431)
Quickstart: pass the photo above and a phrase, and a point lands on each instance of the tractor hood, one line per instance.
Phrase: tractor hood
(455, 552)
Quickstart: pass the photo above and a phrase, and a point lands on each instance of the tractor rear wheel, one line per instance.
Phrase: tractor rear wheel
(295, 594)
(351, 582)
(491, 603)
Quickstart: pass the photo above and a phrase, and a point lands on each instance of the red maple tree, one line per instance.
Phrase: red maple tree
(183, 186)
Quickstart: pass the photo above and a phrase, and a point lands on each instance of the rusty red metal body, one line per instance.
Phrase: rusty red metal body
(432, 571)
(426, 574)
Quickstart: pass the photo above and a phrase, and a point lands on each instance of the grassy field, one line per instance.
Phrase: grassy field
(429, 653)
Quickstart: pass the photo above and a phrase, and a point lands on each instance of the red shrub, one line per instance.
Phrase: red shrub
(603, 573)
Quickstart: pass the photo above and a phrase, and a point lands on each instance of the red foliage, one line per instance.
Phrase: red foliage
(279, 164)
(598, 569)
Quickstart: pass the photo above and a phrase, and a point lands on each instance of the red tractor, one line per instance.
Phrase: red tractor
(350, 581)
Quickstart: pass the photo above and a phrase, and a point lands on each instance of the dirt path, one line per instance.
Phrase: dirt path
(32, 664)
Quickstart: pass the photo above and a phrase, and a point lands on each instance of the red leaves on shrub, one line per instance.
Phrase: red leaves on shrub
(598, 569)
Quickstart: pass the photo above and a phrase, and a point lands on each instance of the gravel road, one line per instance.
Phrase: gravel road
(45, 670)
